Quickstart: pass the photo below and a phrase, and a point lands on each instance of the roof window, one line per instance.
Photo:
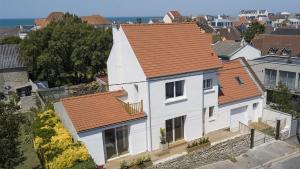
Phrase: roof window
(239, 80)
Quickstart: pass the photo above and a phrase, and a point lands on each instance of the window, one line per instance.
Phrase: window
(270, 77)
(299, 81)
(207, 84)
(239, 80)
(174, 89)
(211, 112)
(255, 105)
(287, 78)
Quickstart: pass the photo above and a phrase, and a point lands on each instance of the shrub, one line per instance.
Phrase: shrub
(55, 146)
(198, 142)
(139, 162)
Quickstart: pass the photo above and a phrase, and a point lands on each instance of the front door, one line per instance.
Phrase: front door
(175, 129)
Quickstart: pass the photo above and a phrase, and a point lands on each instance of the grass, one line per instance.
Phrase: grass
(31, 159)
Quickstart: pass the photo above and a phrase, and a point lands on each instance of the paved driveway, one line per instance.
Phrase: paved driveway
(262, 155)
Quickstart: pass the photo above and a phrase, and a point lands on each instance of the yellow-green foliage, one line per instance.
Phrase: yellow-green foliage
(54, 144)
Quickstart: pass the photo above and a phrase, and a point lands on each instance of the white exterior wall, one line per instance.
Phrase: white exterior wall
(189, 105)
(222, 116)
(248, 52)
(167, 19)
(94, 140)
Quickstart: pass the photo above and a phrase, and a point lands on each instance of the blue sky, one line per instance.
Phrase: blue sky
(41, 8)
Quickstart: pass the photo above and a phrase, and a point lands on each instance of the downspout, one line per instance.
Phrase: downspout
(203, 113)
(150, 126)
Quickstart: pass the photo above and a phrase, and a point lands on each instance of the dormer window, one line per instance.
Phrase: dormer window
(285, 51)
(273, 51)
(239, 80)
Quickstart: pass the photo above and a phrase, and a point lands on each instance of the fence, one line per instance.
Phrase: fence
(132, 108)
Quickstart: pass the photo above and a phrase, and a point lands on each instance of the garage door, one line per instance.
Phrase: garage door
(236, 116)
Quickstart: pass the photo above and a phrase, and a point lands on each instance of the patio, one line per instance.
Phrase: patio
(175, 149)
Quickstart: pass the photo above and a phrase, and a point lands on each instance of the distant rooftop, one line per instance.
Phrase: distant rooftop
(280, 60)
(9, 57)
(226, 48)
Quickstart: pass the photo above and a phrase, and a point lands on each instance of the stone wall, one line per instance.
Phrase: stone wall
(13, 78)
(218, 152)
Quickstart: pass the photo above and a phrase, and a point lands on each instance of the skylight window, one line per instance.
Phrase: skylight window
(239, 80)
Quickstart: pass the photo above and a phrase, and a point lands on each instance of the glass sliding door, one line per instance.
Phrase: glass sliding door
(116, 141)
(175, 129)
(122, 140)
(110, 143)
(169, 130)
(178, 127)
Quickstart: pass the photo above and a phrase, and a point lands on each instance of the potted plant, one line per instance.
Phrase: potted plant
(163, 142)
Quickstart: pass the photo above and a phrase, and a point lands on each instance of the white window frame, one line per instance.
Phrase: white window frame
(205, 84)
(174, 89)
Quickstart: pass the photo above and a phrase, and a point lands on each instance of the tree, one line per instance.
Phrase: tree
(282, 99)
(10, 40)
(66, 52)
(255, 28)
(139, 20)
(10, 152)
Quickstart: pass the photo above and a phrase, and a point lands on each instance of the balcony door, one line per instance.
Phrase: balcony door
(175, 129)
(116, 141)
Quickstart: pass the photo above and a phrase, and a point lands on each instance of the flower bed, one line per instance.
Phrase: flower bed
(55, 147)
(142, 162)
(197, 144)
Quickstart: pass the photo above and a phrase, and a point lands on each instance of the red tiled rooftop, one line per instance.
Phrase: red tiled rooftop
(169, 49)
(97, 110)
(231, 89)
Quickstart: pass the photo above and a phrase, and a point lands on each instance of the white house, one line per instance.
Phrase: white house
(161, 76)
(172, 16)
(230, 50)
(252, 14)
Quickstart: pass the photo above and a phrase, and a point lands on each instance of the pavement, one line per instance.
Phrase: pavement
(272, 155)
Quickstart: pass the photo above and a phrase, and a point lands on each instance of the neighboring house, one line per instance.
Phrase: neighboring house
(286, 31)
(155, 20)
(13, 74)
(41, 23)
(273, 69)
(7, 32)
(203, 24)
(230, 50)
(218, 23)
(253, 14)
(24, 30)
(162, 76)
(173, 17)
(287, 45)
(96, 20)
(230, 33)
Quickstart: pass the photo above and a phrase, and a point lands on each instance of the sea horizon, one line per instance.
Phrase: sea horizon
(15, 22)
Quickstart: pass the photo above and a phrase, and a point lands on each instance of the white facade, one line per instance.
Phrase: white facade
(253, 13)
(248, 52)
(167, 19)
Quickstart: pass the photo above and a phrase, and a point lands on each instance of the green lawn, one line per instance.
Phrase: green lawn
(31, 159)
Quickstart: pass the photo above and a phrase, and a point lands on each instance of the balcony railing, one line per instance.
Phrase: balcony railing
(132, 108)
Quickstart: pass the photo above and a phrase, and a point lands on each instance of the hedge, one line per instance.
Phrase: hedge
(55, 146)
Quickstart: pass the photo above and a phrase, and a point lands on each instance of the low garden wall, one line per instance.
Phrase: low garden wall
(221, 151)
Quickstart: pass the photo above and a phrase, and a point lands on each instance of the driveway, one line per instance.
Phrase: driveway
(260, 157)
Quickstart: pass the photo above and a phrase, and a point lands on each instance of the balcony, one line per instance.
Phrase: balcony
(132, 108)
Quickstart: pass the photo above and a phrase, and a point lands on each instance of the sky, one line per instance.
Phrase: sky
(119, 8)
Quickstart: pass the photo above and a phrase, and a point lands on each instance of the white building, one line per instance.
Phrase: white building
(162, 76)
(173, 16)
(230, 50)
(252, 14)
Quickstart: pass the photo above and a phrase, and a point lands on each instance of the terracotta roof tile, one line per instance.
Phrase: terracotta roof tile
(230, 89)
(176, 14)
(97, 110)
(169, 49)
(41, 22)
(265, 41)
(95, 20)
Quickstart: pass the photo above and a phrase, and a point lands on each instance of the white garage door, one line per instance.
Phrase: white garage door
(236, 116)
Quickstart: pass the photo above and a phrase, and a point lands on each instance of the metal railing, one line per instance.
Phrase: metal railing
(243, 128)
(132, 108)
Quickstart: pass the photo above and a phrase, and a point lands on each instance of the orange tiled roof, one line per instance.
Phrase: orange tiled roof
(41, 22)
(176, 14)
(97, 110)
(231, 90)
(95, 20)
(169, 49)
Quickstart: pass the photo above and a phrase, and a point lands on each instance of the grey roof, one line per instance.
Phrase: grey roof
(226, 48)
(286, 31)
(5, 32)
(280, 60)
(9, 57)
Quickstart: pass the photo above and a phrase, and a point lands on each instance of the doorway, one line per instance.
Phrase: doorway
(116, 141)
(175, 129)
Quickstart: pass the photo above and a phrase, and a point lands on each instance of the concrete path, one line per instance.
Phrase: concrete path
(257, 157)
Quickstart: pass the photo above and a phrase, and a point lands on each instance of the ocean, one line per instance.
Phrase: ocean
(9, 23)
